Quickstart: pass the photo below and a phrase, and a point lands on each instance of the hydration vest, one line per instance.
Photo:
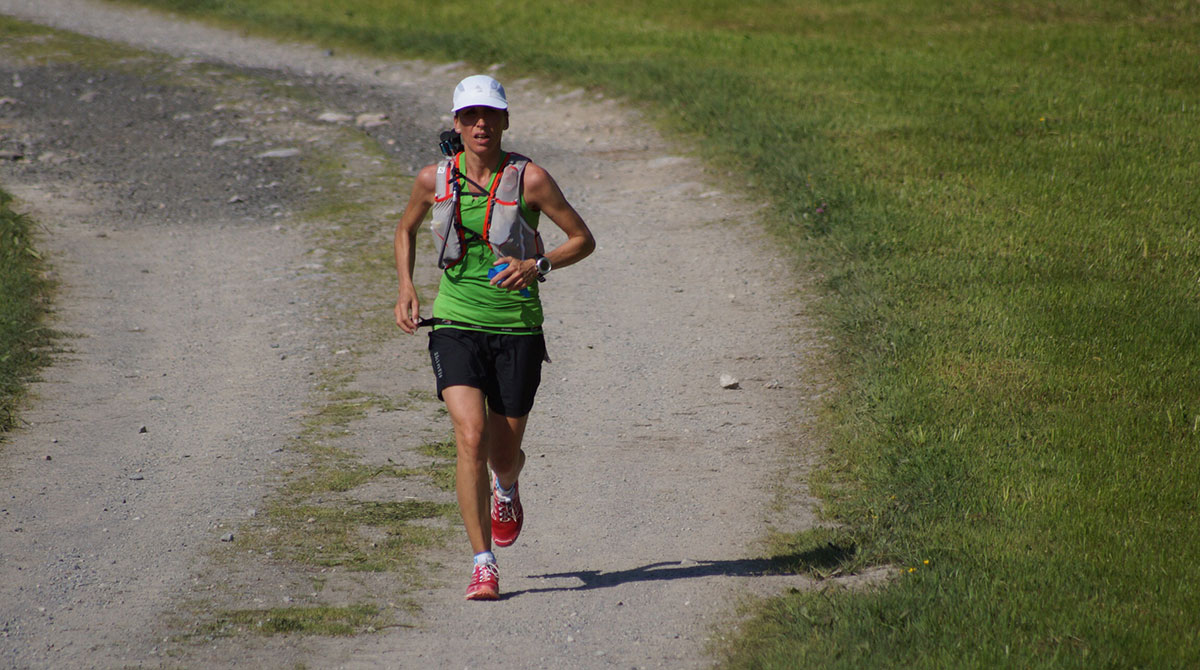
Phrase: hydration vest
(504, 229)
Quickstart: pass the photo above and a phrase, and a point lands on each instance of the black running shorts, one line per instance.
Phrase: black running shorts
(507, 368)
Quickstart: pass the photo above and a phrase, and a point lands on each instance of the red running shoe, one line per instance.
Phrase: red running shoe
(507, 517)
(485, 582)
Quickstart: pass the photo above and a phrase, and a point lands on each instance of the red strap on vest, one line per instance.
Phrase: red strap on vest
(491, 201)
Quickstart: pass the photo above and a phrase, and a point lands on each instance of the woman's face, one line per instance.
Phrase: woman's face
(481, 127)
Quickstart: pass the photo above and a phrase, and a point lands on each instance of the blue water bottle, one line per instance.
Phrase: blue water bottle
(497, 269)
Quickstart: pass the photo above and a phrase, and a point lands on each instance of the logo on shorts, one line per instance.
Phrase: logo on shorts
(437, 364)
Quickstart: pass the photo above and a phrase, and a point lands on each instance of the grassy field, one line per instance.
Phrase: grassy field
(1002, 200)
(23, 295)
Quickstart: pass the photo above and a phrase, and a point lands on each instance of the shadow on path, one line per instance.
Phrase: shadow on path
(815, 561)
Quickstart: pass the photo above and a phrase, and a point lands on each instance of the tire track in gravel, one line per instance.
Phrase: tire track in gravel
(649, 487)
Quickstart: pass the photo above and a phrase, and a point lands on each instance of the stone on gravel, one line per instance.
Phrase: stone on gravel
(729, 381)
(232, 139)
(335, 117)
(370, 120)
(227, 537)
(279, 153)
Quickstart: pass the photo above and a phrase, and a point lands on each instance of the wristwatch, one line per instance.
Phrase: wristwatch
(542, 263)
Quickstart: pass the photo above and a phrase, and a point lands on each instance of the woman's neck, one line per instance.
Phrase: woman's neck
(480, 167)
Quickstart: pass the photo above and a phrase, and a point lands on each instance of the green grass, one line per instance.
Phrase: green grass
(1001, 200)
(358, 536)
(314, 620)
(23, 307)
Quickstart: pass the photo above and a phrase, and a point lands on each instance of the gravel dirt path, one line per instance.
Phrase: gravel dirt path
(198, 303)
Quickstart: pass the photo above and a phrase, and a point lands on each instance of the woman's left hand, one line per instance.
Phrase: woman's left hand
(518, 275)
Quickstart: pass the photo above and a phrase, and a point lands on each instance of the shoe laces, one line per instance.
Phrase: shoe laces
(485, 572)
(505, 510)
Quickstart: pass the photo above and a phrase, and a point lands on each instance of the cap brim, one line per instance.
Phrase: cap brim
(481, 102)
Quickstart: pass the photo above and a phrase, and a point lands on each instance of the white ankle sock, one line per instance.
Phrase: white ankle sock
(484, 557)
(505, 494)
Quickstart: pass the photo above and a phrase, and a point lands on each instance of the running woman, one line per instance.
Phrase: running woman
(486, 342)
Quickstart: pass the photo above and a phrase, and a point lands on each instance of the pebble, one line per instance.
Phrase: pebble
(136, 478)
(334, 117)
(279, 153)
(227, 537)
(370, 120)
(222, 141)
(729, 381)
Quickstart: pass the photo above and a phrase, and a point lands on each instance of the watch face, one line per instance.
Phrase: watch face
(543, 265)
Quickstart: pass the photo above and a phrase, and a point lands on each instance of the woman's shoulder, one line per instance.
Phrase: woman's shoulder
(427, 176)
(537, 184)
(535, 174)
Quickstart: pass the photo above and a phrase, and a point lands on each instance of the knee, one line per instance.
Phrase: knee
(471, 443)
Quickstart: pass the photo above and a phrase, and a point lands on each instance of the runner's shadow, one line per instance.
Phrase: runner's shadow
(816, 560)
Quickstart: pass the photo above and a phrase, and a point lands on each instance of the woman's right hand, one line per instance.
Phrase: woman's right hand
(408, 311)
(408, 307)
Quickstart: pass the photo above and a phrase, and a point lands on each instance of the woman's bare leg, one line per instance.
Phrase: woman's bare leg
(468, 413)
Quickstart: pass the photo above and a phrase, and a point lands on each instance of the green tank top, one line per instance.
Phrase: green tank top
(465, 293)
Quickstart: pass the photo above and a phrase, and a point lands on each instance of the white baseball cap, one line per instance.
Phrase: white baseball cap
(479, 89)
